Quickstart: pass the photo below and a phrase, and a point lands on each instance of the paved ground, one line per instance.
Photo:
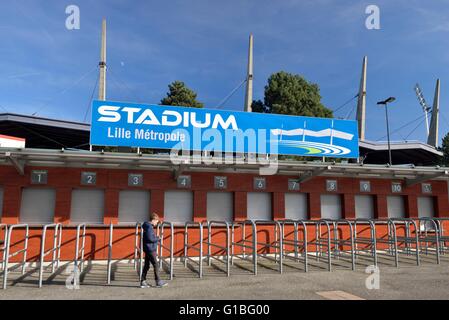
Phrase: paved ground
(428, 281)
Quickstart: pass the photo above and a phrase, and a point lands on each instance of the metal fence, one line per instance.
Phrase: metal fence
(162, 231)
(110, 245)
(346, 243)
(138, 250)
(4, 232)
(300, 250)
(198, 247)
(55, 250)
(365, 244)
(244, 243)
(78, 261)
(211, 244)
(442, 236)
(8, 254)
(267, 246)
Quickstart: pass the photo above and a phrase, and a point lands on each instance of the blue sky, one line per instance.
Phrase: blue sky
(49, 70)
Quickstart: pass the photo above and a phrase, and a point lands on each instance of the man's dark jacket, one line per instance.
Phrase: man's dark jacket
(150, 239)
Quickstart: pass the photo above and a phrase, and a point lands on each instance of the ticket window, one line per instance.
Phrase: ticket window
(178, 206)
(331, 206)
(426, 209)
(37, 206)
(87, 206)
(396, 207)
(259, 206)
(134, 206)
(364, 207)
(220, 206)
(296, 207)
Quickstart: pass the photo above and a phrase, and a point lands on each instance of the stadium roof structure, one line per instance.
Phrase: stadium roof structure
(407, 152)
(45, 133)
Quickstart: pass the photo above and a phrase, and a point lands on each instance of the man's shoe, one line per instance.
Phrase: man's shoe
(160, 284)
(144, 284)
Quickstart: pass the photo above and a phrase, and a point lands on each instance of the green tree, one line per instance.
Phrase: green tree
(180, 95)
(288, 93)
(445, 149)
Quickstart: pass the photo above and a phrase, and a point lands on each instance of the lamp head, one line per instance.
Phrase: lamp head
(389, 100)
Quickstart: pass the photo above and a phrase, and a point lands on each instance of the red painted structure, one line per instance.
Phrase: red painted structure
(112, 181)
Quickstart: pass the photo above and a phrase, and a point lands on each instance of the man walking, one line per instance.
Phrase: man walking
(150, 242)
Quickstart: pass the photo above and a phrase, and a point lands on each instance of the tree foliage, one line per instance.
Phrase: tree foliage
(288, 93)
(445, 149)
(180, 95)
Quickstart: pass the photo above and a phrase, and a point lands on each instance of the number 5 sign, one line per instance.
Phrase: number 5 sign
(221, 182)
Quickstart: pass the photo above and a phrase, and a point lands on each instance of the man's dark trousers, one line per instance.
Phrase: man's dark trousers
(150, 257)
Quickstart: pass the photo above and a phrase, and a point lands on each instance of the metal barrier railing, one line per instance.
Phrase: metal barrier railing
(276, 245)
(110, 244)
(55, 250)
(389, 240)
(444, 239)
(138, 250)
(78, 262)
(407, 239)
(161, 231)
(243, 243)
(321, 241)
(4, 230)
(339, 242)
(295, 243)
(409, 236)
(370, 243)
(428, 234)
(226, 249)
(187, 246)
(9, 255)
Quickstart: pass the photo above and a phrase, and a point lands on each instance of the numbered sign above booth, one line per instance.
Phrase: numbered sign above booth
(135, 180)
(221, 182)
(88, 178)
(184, 182)
(39, 177)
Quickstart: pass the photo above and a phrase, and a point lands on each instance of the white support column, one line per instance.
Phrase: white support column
(102, 84)
(102, 67)
(249, 77)
(361, 103)
(434, 122)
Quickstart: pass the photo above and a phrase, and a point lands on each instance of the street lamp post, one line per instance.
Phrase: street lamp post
(385, 103)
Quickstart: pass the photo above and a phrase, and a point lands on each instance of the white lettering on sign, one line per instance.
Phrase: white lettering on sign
(169, 118)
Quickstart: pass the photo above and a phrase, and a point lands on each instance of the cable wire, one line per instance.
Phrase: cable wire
(222, 102)
(349, 114)
(4, 108)
(419, 124)
(402, 127)
(346, 103)
(65, 90)
(41, 135)
(121, 83)
(89, 104)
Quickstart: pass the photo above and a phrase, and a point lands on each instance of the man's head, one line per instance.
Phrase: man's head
(154, 219)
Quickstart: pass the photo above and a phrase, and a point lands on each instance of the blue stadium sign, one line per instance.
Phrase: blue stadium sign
(180, 128)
